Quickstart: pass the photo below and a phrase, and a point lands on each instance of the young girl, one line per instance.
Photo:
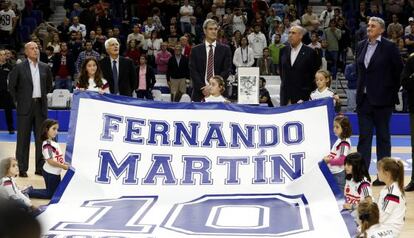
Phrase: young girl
(357, 183)
(216, 88)
(54, 160)
(90, 77)
(369, 216)
(323, 81)
(392, 198)
(341, 148)
(8, 187)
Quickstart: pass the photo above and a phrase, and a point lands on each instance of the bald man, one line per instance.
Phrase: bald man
(29, 83)
(298, 65)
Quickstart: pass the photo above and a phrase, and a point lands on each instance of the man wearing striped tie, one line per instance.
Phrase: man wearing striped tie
(208, 59)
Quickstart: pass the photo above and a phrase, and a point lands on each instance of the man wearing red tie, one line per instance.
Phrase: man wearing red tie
(208, 59)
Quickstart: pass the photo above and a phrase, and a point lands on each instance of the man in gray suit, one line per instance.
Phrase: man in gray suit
(29, 83)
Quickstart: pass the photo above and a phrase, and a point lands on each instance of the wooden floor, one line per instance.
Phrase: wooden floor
(7, 149)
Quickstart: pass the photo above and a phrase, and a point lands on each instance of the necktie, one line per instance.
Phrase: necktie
(210, 63)
(115, 77)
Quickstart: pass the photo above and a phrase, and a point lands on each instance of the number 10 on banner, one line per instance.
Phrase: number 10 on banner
(235, 214)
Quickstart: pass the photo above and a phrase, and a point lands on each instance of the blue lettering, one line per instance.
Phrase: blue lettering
(288, 137)
(161, 167)
(181, 132)
(259, 169)
(293, 169)
(133, 131)
(160, 128)
(268, 131)
(237, 134)
(191, 168)
(128, 165)
(110, 124)
(232, 167)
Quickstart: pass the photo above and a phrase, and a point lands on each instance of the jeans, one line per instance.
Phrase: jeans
(340, 180)
(52, 182)
(351, 100)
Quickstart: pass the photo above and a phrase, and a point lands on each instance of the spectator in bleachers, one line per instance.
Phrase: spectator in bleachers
(161, 59)
(409, 41)
(77, 9)
(63, 68)
(6, 101)
(63, 29)
(235, 41)
(332, 35)
(76, 26)
(309, 19)
(156, 16)
(42, 55)
(133, 52)
(152, 46)
(74, 44)
(119, 71)
(88, 17)
(315, 44)
(394, 7)
(221, 38)
(292, 15)
(257, 41)
(87, 53)
(173, 37)
(273, 28)
(177, 74)
(50, 56)
(206, 59)
(44, 32)
(146, 79)
(265, 63)
(149, 27)
(375, 11)
(105, 20)
(185, 45)
(120, 37)
(220, 6)
(407, 29)
(7, 24)
(395, 26)
(258, 20)
(55, 43)
(264, 95)
(136, 35)
(195, 31)
(238, 20)
(327, 15)
(92, 37)
(299, 64)
(243, 56)
(279, 8)
(274, 49)
(214, 13)
(186, 11)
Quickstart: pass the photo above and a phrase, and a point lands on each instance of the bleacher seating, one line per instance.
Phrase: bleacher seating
(185, 98)
(61, 99)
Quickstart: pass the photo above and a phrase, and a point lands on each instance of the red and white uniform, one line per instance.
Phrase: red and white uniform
(51, 150)
(339, 151)
(9, 190)
(392, 206)
(356, 192)
(380, 231)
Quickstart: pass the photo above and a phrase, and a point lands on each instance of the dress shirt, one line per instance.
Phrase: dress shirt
(34, 70)
(294, 52)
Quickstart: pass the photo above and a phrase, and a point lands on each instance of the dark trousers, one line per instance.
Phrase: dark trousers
(51, 181)
(6, 102)
(370, 117)
(144, 94)
(25, 124)
(412, 143)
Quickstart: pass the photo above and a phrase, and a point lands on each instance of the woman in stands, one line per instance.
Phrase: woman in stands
(90, 77)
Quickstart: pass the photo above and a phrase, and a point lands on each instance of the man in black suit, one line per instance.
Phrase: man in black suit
(29, 83)
(379, 66)
(119, 71)
(177, 74)
(6, 101)
(208, 59)
(298, 65)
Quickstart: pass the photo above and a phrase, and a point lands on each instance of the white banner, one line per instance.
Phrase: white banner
(166, 170)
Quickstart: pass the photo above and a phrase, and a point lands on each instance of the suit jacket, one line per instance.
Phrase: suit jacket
(382, 77)
(297, 81)
(21, 86)
(127, 75)
(149, 76)
(198, 61)
(177, 71)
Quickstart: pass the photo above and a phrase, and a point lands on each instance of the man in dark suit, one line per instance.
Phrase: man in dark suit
(6, 101)
(119, 71)
(379, 66)
(208, 59)
(177, 74)
(298, 65)
(29, 83)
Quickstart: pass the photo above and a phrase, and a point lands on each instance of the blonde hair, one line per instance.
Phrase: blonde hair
(5, 165)
(220, 82)
(325, 74)
(368, 215)
(395, 168)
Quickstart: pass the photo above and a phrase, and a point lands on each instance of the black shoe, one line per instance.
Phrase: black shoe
(409, 187)
(378, 183)
(23, 174)
(11, 132)
(38, 173)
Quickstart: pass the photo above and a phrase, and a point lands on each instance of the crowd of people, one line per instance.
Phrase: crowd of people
(118, 47)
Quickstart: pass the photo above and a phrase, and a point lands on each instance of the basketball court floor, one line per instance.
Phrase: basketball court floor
(401, 149)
